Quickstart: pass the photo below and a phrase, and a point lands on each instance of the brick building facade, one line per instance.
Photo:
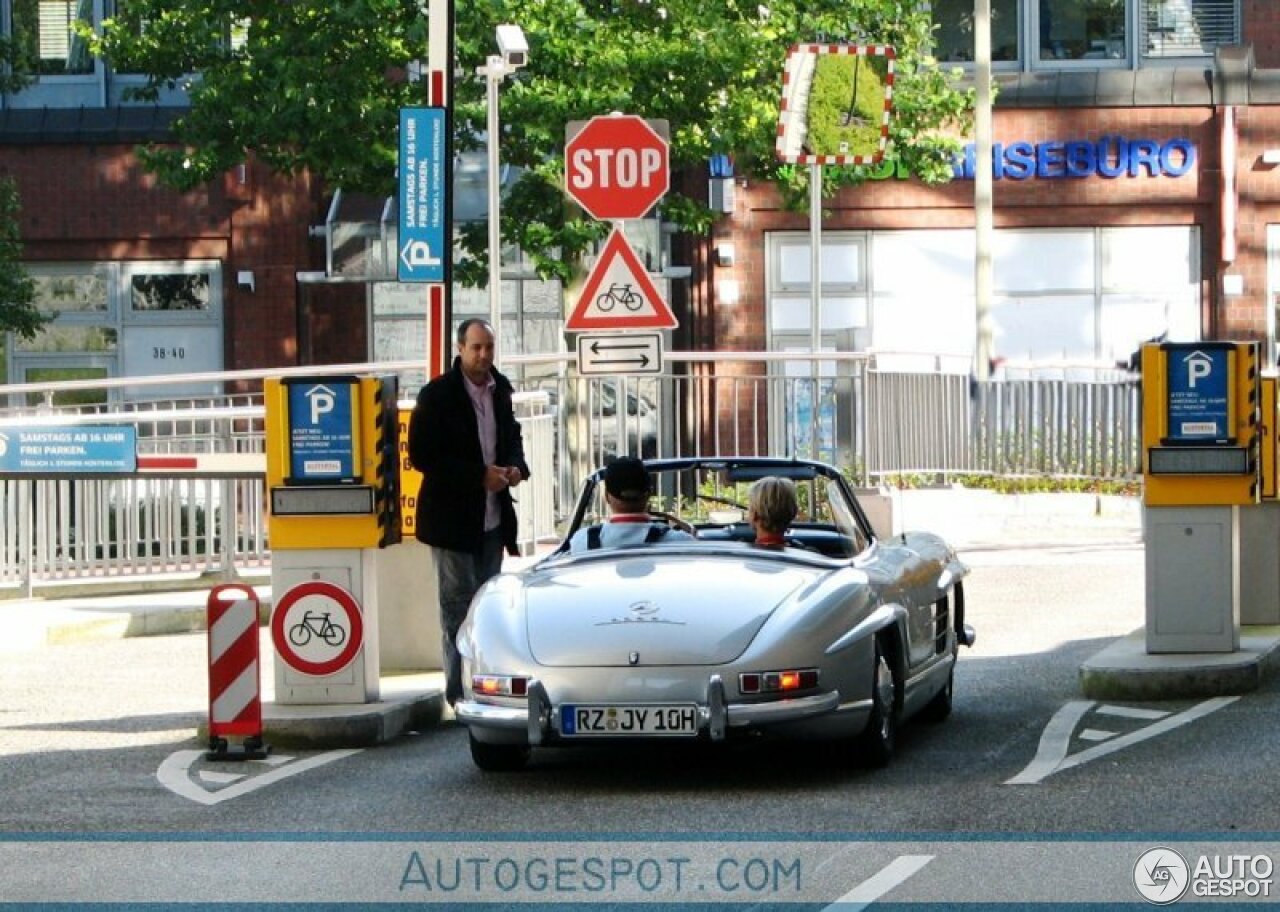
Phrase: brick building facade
(147, 281)
(1234, 296)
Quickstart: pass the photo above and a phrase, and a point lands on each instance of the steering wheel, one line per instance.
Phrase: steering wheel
(674, 522)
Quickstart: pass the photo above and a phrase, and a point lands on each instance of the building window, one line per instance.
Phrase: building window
(1187, 28)
(1087, 33)
(54, 373)
(44, 31)
(843, 263)
(134, 319)
(1075, 30)
(76, 290)
(954, 35)
(1085, 297)
(174, 292)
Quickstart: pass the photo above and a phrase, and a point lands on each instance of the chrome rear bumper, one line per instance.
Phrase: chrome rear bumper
(715, 716)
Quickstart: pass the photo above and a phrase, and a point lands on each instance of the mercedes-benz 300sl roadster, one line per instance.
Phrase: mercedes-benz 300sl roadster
(837, 634)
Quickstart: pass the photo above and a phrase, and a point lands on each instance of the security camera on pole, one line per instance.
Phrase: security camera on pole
(617, 167)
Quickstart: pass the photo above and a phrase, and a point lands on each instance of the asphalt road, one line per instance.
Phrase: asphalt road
(85, 731)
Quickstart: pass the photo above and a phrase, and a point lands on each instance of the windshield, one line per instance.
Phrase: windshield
(708, 502)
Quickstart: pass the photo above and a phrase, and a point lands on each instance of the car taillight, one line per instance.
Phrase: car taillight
(751, 682)
(499, 685)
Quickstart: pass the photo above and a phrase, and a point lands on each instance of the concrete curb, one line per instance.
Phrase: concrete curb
(83, 626)
(1125, 671)
(131, 585)
(409, 703)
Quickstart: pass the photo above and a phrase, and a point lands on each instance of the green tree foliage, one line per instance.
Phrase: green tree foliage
(316, 84)
(17, 291)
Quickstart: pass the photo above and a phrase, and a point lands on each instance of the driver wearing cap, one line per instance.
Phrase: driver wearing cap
(626, 490)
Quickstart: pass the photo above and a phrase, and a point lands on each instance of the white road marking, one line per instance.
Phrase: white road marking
(1132, 712)
(216, 778)
(175, 775)
(1095, 734)
(1051, 757)
(875, 886)
(1053, 743)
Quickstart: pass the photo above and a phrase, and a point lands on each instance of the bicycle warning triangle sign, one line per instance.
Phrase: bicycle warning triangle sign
(619, 294)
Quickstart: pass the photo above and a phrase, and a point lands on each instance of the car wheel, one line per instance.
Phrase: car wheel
(880, 735)
(937, 709)
(498, 758)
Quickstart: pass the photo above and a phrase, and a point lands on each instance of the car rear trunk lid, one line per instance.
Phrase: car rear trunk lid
(639, 609)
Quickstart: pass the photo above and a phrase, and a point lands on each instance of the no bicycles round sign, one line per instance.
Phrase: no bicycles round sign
(317, 628)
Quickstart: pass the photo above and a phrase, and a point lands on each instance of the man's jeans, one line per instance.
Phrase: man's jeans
(460, 574)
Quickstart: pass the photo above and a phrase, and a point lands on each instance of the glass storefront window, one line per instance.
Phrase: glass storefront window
(1043, 260)
(954, 35)
(1044, 328)
(791, 314)
(1127, 255)
(44, 31)
(1082, 30)
(841, 264)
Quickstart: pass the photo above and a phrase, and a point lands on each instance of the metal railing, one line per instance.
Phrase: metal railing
(836, 407)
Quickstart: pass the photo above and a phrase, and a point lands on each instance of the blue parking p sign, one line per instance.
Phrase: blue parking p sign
(422, 252)
(323, 440)
(1198, 383)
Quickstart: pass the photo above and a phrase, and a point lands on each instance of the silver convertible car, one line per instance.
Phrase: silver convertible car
(839, 634)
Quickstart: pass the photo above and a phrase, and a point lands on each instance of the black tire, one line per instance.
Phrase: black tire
(939, 708)
(498, 758)
(299, 634)
(878, 740)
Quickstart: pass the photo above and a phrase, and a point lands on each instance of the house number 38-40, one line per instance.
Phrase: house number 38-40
(160, 354)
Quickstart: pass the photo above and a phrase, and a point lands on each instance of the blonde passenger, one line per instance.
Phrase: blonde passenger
(771, 508)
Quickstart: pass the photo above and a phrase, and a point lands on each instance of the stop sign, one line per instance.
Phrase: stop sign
(617, 167)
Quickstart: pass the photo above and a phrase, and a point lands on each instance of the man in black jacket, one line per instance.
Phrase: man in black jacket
(466, 442)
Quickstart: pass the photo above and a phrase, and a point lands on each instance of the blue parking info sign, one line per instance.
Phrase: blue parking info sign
(88, 450)
(1199, 381)
(323, 438)
(422, 202)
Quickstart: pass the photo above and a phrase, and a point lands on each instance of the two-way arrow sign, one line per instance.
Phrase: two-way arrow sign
(625, 353)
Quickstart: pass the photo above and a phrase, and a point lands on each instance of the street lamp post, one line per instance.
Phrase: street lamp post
(513, 54)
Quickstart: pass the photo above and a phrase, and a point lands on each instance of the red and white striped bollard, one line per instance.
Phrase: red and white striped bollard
(235, 701)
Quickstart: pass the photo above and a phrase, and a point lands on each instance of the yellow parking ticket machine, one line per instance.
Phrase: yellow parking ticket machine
(1201, 465)
(332, 482)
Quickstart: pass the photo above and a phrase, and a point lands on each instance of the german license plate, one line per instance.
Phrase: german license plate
(592, 720)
